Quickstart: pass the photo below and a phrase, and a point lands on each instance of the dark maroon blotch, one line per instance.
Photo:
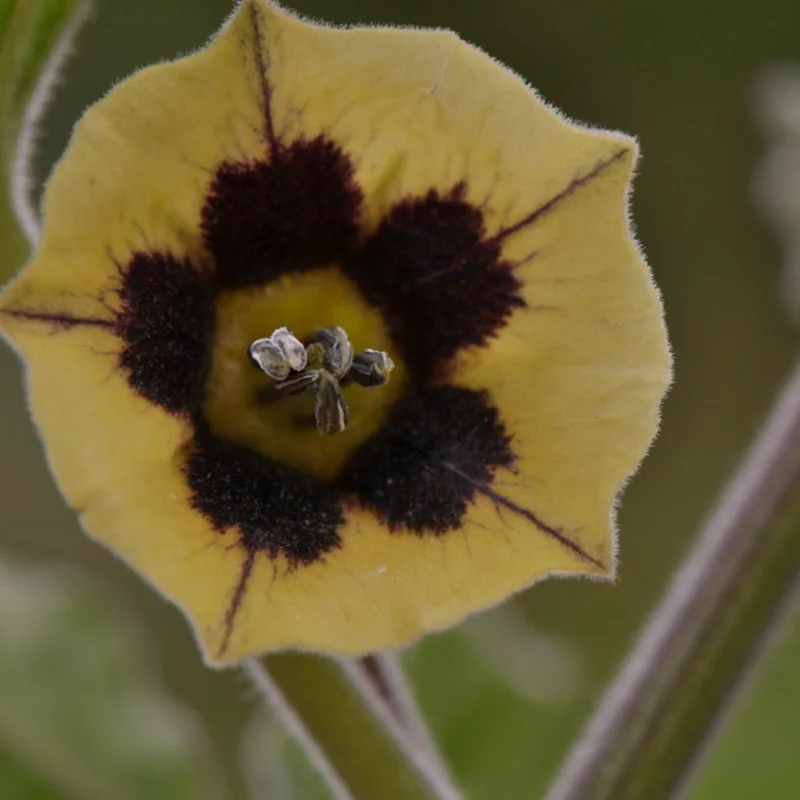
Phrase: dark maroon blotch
(274, 508)
(423, 468)
(438, 279)
(166, 323)
(297, 211)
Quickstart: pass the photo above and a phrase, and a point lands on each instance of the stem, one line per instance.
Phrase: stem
(15, 248)
(14, 27)
(340, 720)
(386, 675)
(711, 625)
(35, 38)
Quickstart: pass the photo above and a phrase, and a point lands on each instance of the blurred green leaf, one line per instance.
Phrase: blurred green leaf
(485, 724)
(542, 668)
(34, 36)
(80, 717)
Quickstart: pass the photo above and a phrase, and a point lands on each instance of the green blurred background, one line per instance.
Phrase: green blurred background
(507, 696)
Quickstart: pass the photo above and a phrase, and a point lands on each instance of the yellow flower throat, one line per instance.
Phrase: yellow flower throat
(234, 405)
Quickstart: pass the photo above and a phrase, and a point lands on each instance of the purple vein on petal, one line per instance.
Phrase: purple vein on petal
(58, 320)
(236, 600)
(260, 46)
(555, 533)
(571, 188)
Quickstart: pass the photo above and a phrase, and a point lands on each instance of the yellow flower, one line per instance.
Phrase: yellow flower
(406, 188)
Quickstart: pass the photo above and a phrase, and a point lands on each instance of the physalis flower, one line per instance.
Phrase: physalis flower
(339, 335)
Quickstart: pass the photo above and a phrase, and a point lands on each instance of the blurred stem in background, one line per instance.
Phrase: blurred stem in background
(724, 604)
(35, 37)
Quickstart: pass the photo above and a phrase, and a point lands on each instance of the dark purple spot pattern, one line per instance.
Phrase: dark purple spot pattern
(439, 281)
(274, 508)
(297, 211)
(410, 472)
(166, 324)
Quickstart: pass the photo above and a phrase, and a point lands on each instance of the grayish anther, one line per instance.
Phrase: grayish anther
(318, 369)
(292, 348)
(330, 409)
(279, 355)
(371, 368)
(266, 355)
(338, 352)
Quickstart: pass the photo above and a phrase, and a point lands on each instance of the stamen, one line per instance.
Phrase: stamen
(330, 409)
(338, 352)
(279, 355)
(372, 368)
(291, 348)
(320, 368)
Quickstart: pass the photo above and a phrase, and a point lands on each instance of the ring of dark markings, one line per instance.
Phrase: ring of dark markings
(432, 270)
(401, 473)
(439, 281)
(297, 211)
(166, 323)
(276, 509)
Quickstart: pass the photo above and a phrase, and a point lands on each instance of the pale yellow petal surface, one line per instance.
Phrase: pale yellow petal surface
(116, 459)
(577, 376)
(137, 171)
(135, 178)
(119, 462)
(384, 590)
(421, 109)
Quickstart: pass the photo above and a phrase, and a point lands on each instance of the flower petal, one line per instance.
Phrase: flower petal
(421, 110)
(422, 191)
(578, 375)
(138, 170)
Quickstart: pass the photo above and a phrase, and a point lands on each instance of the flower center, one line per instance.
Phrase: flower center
(321, 369)
(312, 373)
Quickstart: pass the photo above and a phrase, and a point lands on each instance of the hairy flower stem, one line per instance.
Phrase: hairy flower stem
(710, 627)
(35, 38)
(386, 675)
(338, 717)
